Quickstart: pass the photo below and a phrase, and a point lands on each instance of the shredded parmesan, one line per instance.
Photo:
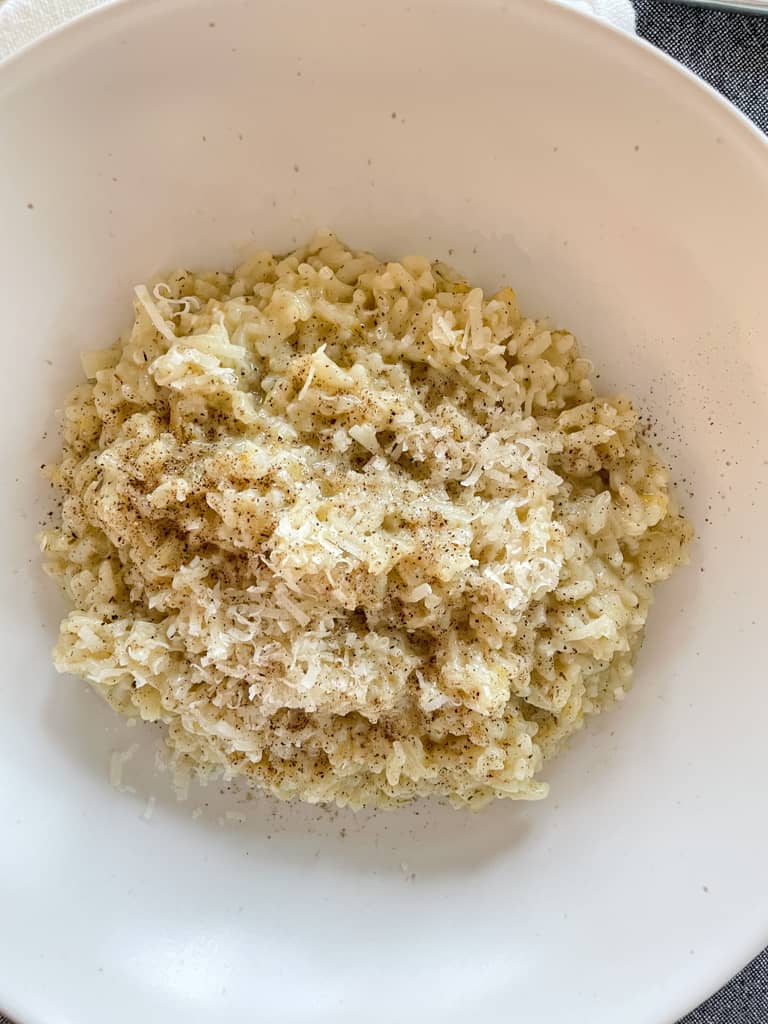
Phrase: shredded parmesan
(160, 325)
(354, 530)
(117, 762)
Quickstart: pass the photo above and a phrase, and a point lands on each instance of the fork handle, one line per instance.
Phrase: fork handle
(745, 6)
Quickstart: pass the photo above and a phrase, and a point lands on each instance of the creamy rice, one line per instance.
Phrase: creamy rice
(355, 531)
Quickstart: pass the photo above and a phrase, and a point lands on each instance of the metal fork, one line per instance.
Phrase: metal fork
(746, 6)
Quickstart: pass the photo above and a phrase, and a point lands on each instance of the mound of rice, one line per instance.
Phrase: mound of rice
(355, 531)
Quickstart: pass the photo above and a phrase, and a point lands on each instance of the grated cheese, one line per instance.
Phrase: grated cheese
(353, 530)
(117, 762)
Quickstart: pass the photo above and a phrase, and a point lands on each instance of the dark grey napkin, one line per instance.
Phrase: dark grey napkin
(742, 1001)
(730, 51)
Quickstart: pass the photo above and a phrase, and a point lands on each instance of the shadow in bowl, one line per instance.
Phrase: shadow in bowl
(421, 837)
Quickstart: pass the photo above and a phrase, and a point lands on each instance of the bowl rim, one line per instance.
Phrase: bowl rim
(74, 30)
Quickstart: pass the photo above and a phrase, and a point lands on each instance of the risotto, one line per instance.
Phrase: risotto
(355, 531)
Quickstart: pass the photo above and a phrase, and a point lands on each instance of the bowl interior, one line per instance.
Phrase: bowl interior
(524, 144)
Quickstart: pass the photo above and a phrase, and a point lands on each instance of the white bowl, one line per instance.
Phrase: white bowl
(618, 195)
